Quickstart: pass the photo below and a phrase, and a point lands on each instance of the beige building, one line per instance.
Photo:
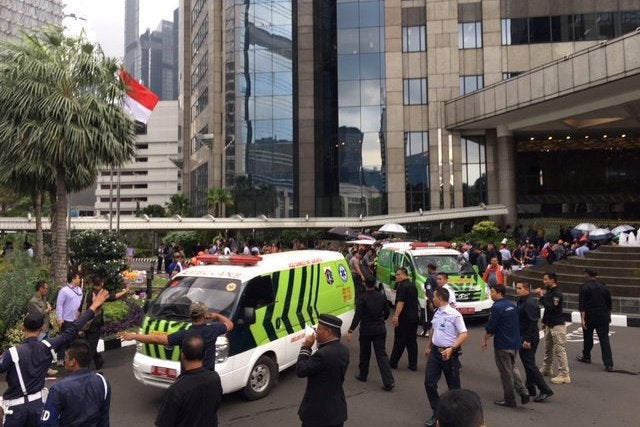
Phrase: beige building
(354, 108)
(28, 15)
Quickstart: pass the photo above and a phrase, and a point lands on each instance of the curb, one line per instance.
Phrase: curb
(616, 319)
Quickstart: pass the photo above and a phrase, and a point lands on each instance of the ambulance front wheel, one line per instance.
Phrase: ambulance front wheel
(262, 378)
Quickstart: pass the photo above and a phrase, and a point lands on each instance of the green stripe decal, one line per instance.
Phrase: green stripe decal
(268, 317)
(318, 283)
(287, 303)
(301, 294)
(312, 283)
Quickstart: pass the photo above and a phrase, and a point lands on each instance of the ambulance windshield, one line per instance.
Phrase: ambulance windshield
(218, 294)
(451, 264)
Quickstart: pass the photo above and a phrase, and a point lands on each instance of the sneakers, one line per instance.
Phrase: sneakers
(561, 379)
(423, 333)
(51, 372)
(547, 372)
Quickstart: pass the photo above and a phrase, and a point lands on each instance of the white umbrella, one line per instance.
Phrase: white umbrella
(361, 242)
(622, 229)
(393, 229)
(366, 237)
(585, 226)
(600, 234)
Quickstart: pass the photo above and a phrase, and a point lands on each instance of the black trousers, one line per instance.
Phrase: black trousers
(378, 343)
(605, 345)
(534, 377)
(92, 337)
(405, 337)
(159, 267)
(436, 366)
(25, 415)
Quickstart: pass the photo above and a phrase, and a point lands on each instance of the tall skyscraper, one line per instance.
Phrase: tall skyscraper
(352, 107)
(132, 54)
(28, 15)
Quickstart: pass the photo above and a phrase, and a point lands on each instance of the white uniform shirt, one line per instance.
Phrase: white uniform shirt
(447, 326)
(452, 294)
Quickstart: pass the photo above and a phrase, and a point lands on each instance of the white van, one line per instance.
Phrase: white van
(269, 298)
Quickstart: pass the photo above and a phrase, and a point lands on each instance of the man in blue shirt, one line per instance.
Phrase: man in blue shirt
(504, 327)
(83, 398)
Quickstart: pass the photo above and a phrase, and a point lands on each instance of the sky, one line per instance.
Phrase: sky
(103, 21)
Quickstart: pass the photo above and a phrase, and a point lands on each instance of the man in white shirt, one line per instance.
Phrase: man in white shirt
(442, 280)
(449, 333)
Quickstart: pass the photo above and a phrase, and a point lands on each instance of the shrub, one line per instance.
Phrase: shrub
(101, 254)
(133, 319)
(483, 233)
(115, 311)
(17, 280)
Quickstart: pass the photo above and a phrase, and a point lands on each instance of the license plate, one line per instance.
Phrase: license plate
(160, 372)
(467, 310)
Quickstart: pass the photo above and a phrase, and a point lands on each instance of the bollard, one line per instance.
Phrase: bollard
(150, 274)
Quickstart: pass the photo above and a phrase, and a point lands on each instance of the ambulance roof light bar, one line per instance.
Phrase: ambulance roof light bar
(246, 260)
(422, 245)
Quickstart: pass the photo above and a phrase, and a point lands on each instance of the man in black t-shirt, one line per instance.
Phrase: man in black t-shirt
(594, 303)
(405, 321)
(193, 400)
(199, 317)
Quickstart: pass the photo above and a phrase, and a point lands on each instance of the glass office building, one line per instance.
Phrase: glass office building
(340, 108)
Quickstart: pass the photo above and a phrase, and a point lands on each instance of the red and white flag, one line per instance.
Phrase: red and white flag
(139, 100)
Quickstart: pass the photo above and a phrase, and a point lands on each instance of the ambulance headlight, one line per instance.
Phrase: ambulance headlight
(222, 349)
(139, 347)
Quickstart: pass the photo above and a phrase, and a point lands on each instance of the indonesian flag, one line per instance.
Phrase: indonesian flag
(139, 100)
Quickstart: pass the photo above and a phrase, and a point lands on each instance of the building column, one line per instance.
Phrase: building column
(506, 167)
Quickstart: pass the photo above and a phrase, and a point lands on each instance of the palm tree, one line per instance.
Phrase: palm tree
(217, 199)
(179, 205)
(60, 120)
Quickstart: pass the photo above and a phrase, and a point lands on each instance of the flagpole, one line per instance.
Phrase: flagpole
(111, 199)
(118, 202)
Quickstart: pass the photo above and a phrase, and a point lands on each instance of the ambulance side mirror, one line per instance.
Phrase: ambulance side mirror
(249, 316)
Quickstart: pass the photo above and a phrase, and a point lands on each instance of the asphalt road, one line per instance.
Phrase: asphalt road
(595, 397)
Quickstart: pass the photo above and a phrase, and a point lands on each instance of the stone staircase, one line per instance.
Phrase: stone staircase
(617, 266)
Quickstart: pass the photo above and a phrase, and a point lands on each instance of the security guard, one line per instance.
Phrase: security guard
(27, 364)
(449, 333)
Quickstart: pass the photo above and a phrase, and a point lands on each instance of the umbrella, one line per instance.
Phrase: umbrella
(622, 229)
(584, 227)
(600, 234)
(393, 229)
(343, 231)
(361, 242)
(366, 237)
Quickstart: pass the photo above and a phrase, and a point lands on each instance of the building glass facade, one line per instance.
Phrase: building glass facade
(417, 170)
(259, 106)
(361, 107)
(474, 170)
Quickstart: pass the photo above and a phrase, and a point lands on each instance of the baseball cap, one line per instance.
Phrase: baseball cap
(197, 309)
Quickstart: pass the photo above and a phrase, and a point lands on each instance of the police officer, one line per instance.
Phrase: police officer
(449, 333)
(83, 398)
(27, 364)
(324, 402)
(372, 310)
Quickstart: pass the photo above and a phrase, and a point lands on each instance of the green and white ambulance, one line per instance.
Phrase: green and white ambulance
(472, 293)
(269, 298)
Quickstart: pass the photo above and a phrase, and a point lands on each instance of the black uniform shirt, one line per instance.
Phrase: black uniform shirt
(408, 293)
(372, 310)
(595, 301)
(35, 358)
(552, 303)
(528, 315)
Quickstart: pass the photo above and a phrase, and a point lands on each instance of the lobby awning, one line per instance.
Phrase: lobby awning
(237, 222)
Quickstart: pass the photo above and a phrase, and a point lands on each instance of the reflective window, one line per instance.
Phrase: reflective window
(471, 83)
(349, 41)
(414, 38)
(417, 171)
(474, 170)
(347, 15)
(349, 67)
(470, 35)
(415, 91)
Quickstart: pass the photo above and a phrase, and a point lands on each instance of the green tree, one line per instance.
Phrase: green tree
(217, 199)
(60, 120)
(101, 254)
(155, 211)
(179, 205)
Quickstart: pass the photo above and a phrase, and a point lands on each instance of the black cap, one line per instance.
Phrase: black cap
(330, 321)
(33, 321)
